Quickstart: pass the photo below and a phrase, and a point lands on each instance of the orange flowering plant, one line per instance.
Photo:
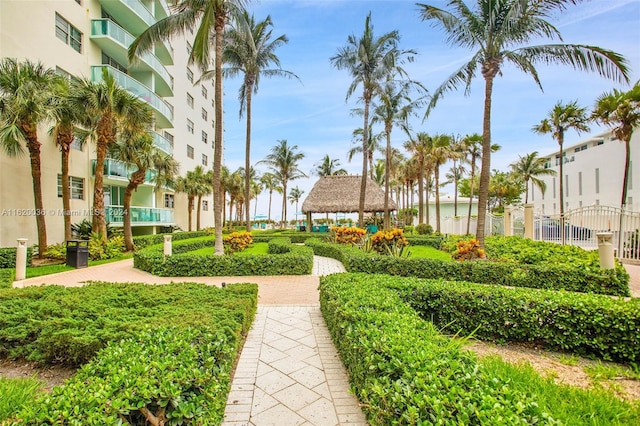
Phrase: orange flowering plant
(348, 236)
(237, 241)
(468, 250)
(382, 241)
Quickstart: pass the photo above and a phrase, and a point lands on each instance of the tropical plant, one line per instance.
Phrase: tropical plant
(528, 168)
(26, 98)
(109, 110)
(504, 189)
(417, 146)
(210, 17)
(498, 31)
(270, 183)
(562, 118)
(439, 152)
(250, 51)
(329, 167)
(621, 111)
(371, 61)
(283, 163)
(295, 195)
(192, 184)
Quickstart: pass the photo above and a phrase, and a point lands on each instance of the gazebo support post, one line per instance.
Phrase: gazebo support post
(308, 229)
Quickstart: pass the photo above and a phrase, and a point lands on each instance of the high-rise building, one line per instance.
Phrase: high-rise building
(81, 38)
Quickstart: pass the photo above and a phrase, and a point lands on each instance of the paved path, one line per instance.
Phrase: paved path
(289, 372)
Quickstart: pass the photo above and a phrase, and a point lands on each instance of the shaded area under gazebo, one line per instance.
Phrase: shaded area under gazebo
(341, 194)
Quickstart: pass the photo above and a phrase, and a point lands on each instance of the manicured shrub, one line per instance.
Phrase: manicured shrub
(348, 236)
(8, 257)
(384, 241)
(425, 240)
(56, 252)
(99, 249)
(408, 230)
(143, 241)
(237, 241)
(6, 277)
(424, 229)
(279, 245)
(468, 250)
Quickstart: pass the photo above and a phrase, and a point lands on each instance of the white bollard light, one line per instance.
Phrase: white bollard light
(605, 250)
(167, 245)
(21, 259)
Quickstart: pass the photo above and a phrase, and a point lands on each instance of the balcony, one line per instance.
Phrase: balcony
(164, 111)
(136, 18)
(162, 143)
(114, 41)
(140, 216)
(114, 169)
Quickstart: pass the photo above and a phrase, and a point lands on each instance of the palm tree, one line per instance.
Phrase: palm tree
(370, 61)
(379, 172)
(283, 162)
(294, 196)
(270, 183)
(191, 184)
(204, 188)
(372, 146)
(210, 17)
(329, 167)
(528, 168)
(562, 118)
(108, 110)
(439, 151)
(394, 107)
(138, 149)
(250, 50)
(455, 173)
(27, 94)
(66, 117)
(418, 146)
(493, 30)
(620, 110)
(234, 188)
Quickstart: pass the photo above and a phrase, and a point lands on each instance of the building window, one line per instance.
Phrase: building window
(205, 205)
(76, 144)
(204, 92)
(190, 100)
(76, 185)
(205, 160)
(190, 75)
(204, 114)
(579, 183)
(189, 126)
(168, 201)
(189, 151)
(597, 181)
(108, 60)
(168, 136)
(64, 73)
(204, 136)
(68, 33)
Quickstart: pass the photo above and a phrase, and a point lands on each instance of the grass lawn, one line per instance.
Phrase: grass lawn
(256, 248)
(38, 271)
(16, 393)
(428, 252)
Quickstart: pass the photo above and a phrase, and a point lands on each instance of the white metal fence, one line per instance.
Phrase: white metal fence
(494, 225)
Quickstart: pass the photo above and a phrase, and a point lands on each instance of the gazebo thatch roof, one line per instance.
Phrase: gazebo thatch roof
(341, 194)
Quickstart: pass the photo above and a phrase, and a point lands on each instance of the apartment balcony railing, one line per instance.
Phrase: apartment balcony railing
(140, 216)
(162, 143)
(164, 111)
(136, 18)
(115, 40)
(115, 169)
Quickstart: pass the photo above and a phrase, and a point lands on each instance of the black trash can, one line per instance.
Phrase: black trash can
(303, 228)
(78, 253)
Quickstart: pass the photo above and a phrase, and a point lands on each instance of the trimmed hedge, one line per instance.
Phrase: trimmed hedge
(296, 237)
(6, 277)
(403, 371)
(8, 257)
(143, 241)
(149, 349)
(567, 277)
(585, 324)
(425, 240)
(296, 261)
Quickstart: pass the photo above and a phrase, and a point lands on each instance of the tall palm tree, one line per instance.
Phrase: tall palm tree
(270, 183)
(283, 163)
(234, 188)
(379, 172)
(371, 61)
(562, 118)
(528, 168)
(439, 152)
(139, 150)
(250, 50)
(66, 118)
(204, 180)
(620, 110)
(329, 167)
(455, 173)
(191, 184)
(417, 146)
(373, 145)
(26, 97)
(498, 31)
(108, 110)
(210, 17)
(393, 108)
(294, 196)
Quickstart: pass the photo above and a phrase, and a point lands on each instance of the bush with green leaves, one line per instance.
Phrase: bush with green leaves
(6, 277)
(425, 240)
(100, 249)
(568, 277)
(405, 372)
(8, 257)
(161, 350)
(424, 229)
(143, 241)
(56, 252)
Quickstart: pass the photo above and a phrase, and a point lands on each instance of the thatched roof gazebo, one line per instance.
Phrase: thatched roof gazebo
(341, 194)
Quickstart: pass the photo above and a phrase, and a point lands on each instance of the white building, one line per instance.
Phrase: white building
(593, 172)
(81, 38)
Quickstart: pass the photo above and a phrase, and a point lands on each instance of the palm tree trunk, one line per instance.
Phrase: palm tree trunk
(269, 213)
(387, 167)
(36, 175)
(99, 224)
(471, 189)
(365, 158)
(220, 22)
(64, 142)
(198, 212)
(561, 142)
(190, 207)
(136, 179)
(421, 192)
(428, 212)
(436, 175)
(625, 180)
(483, 194)
(247, 159)
(455, 189)
(284, 203)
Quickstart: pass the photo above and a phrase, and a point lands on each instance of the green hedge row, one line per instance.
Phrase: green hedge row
(586, 324)
(8, 257)
(296, 237)
(150, 349)
(566, 277)
(403, 371)
(425, 240)
(296, 261)
(143, 241)
(6, 277)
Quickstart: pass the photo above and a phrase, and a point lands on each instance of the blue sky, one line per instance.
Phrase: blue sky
(313, 114)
